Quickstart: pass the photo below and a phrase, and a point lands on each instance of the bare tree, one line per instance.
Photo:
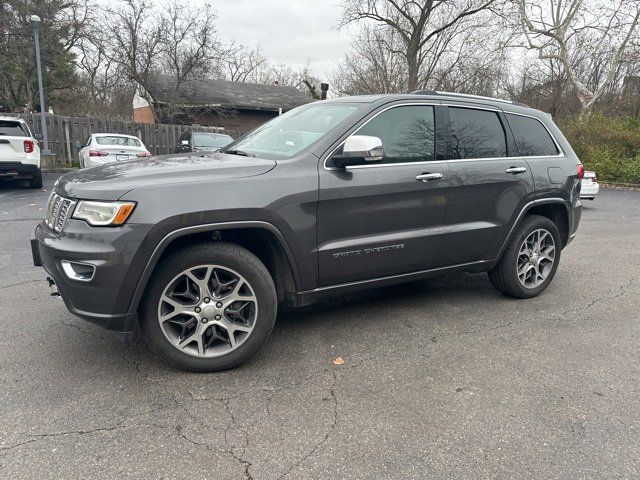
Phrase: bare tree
(242, 64)
(588, 38)
(417, 23)
(135, 39)
(371, 66)
(188, 46)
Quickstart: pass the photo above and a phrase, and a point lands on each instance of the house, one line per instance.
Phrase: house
(215, 103)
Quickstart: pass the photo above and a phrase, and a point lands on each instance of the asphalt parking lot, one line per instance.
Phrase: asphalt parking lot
(442, 379)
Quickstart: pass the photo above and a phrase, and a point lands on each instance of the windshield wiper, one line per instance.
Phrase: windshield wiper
(238, 152)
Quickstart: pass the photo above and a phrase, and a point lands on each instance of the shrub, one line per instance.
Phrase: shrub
(610, 146)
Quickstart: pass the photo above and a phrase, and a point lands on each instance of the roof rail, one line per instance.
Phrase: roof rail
(465, 95)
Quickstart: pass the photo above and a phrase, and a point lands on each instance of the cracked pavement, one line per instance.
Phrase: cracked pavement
(444, 378)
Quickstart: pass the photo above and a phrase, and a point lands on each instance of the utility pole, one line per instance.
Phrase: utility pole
(35, 21)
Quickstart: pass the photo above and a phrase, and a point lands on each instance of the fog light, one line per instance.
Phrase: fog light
(78, 271)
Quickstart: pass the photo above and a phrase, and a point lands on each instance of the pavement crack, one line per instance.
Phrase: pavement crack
(21, 283)
(239, 457)
(323, 440)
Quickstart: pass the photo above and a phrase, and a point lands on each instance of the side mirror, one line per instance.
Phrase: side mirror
(77, 145)
(359, 147)
(38, 136)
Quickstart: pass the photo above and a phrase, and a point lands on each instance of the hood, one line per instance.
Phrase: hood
(113, 180)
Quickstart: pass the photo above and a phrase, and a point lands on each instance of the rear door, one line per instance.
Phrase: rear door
(384, 218)
(489, 183)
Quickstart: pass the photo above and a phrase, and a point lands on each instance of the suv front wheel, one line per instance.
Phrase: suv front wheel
(209, 307)
(530, 259)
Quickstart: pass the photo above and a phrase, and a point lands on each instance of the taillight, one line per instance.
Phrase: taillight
(580, 171)
(28, 146)
(143, 154)
(97, 153)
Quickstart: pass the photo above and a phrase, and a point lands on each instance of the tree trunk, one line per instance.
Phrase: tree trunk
(413, 66)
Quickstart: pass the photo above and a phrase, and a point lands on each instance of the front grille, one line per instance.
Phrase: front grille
(59, 210)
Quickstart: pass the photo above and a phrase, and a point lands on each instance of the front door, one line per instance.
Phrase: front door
(386, 217)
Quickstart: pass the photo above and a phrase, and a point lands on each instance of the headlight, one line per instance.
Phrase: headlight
(101, 214)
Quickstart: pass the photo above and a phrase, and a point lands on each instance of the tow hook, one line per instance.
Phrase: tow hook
(54, 289)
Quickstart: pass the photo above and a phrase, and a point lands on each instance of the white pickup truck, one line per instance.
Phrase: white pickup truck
(19, 152)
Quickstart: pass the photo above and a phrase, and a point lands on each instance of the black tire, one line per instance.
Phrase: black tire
(226, 255)
(504, 276)
(36, 181)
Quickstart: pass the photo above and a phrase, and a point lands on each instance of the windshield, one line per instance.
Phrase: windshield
(12, 129)
(211, 140)
(287, 135)
(120, 141)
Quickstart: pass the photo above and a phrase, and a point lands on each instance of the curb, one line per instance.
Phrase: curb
(621, 186)
(58, 170)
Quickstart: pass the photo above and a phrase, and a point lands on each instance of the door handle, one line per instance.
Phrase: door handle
(428, 177)
(515, 170)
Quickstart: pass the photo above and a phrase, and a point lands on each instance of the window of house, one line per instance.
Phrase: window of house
(476, 134)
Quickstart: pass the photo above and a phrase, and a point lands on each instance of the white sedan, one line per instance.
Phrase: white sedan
(590, 187)
(102, 148)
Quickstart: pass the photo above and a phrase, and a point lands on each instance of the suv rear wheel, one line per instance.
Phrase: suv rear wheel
(209, 307)
(530, 260)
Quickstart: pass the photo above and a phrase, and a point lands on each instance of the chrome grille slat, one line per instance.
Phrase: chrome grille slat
(59, 210)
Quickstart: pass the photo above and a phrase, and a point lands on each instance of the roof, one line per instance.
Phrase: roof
(11, 119)
(432, 94)
(443, 97)
(222, 93)
(102, 134)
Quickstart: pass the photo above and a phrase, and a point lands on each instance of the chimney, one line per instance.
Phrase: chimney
(324, 87)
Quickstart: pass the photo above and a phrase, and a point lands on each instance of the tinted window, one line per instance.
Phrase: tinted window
(476, 134)
(12, 129)
(532, 138)
(119, 141)
(211, 140)
(407, 134)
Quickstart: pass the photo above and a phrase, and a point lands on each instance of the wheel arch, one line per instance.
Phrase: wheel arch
(555, 209)
(261, 238)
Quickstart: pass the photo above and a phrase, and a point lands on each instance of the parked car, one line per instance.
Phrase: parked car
(201, 142)
(590, 187)
(331, 197)
(19, 152)
(101, 148)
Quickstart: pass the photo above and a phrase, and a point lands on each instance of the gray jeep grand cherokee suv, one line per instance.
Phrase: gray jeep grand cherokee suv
(198, 250)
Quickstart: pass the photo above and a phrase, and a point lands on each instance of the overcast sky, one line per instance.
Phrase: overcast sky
(286, 31)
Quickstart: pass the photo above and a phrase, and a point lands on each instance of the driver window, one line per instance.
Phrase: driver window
(407, 134)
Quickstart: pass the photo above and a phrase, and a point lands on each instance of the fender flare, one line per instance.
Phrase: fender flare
(523, 212)
(208, 227)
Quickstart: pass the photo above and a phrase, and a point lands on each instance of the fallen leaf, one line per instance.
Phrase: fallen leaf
(338, 361)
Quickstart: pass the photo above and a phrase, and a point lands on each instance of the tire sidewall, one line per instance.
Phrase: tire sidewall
(225, 255)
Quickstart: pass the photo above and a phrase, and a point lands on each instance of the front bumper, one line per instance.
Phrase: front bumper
(105, 298)
(18, 170)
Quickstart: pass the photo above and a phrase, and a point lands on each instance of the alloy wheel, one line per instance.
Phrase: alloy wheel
(207, 310)
(536, 258)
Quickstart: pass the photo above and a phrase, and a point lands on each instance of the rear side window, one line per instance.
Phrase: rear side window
(532, 138)
(12, 129)
(476, 134)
